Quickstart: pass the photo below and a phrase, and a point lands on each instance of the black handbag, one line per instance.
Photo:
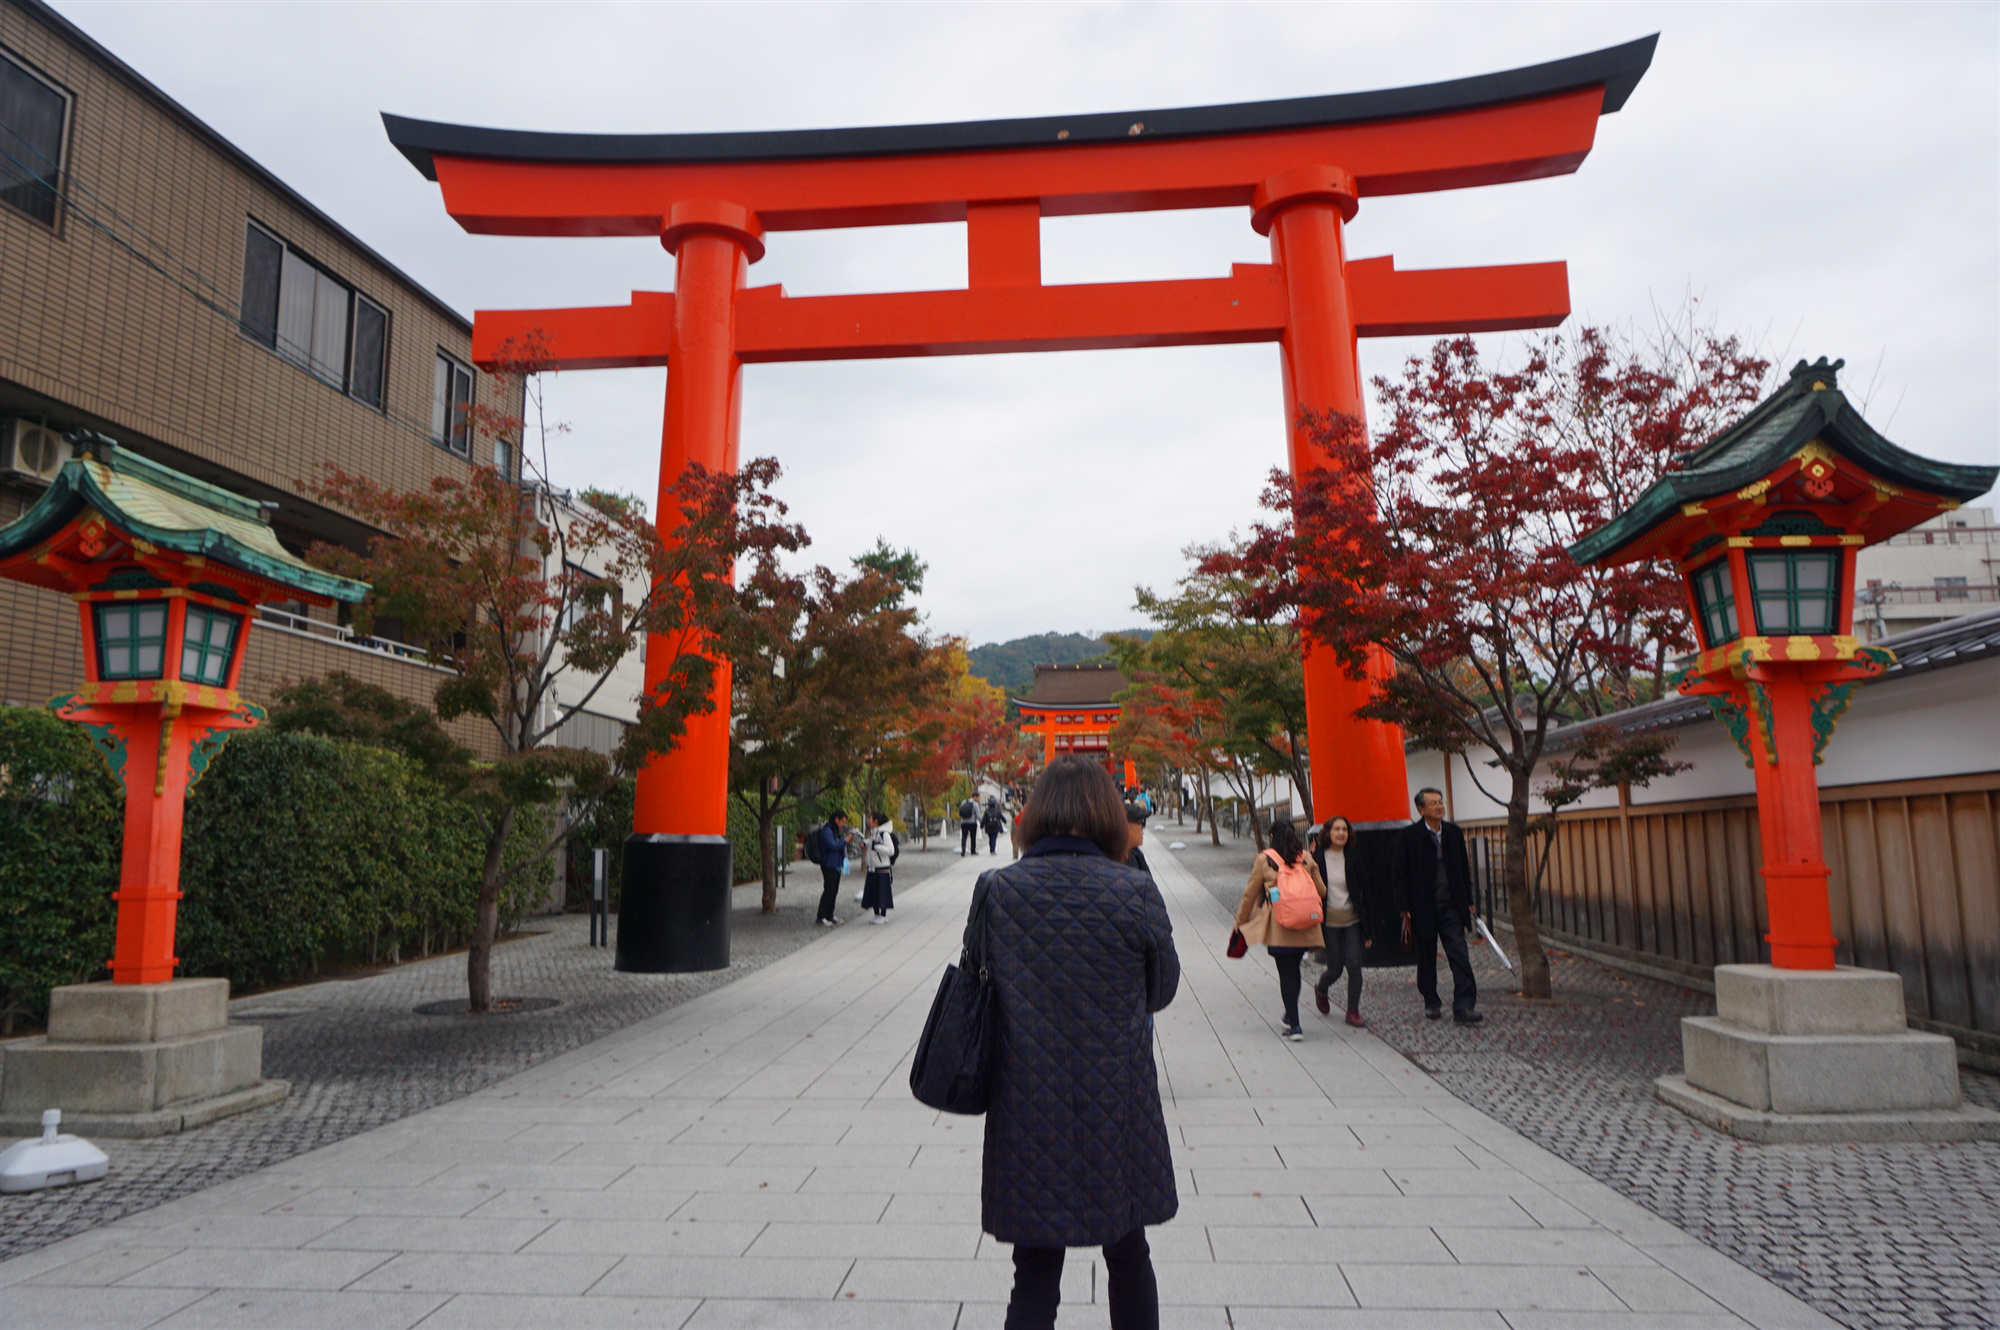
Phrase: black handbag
(953, 1067)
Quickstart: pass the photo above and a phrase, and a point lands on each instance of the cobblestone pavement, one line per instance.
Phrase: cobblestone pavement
(358, 1056)
(1873, 1235)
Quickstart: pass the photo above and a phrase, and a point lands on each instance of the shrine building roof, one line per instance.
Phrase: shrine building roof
(1808, 406)
(1091, 685)
(1617, 69)
(172, 511)
(1967, 640)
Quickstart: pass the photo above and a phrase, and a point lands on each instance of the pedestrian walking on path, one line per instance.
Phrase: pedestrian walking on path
(1432, 881)
(992, 822)
(881, 859)
(1282, 905)
(1135, 837)
(1081, 954)
(968, 827)
(831, 843)
(1343, 924)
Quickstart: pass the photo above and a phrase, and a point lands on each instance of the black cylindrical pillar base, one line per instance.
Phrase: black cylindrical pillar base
(673, 904)
(1371, 856)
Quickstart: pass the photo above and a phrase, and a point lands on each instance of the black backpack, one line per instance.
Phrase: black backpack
(812, 844)
(968, 811)
(895, 848)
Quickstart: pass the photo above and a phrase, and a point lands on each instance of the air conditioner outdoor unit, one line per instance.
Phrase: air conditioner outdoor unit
(31, 452)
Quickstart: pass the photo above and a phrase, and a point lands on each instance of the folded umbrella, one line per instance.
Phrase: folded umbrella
(1487, 933)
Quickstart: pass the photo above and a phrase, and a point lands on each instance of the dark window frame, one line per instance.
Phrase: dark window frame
(254, 327)
(54, 220)
(132, 640)
(1792, 594)
(1716, 613)
(205, 651)
(451, 428)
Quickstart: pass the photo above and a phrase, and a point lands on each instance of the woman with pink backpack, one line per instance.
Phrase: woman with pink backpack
(1283, 906)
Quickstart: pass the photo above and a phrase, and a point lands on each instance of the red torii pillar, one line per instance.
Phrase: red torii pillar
(1300, 166)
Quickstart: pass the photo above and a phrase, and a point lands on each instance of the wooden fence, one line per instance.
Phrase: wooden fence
(1915, 887)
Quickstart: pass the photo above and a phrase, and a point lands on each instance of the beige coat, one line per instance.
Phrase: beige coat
(1253, 916)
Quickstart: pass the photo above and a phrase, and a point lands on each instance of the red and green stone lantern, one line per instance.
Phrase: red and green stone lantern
(1763, 523)
(167, 572)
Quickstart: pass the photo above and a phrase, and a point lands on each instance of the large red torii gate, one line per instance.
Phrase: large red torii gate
(1301, 166)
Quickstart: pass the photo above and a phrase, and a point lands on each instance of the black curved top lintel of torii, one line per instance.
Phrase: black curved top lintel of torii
(1616, 68)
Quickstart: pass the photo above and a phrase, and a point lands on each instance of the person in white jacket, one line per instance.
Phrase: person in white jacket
(881, 858)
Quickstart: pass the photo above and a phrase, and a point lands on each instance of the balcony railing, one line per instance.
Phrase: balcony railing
(286, 622)
(1927, 595)
(1950, 535)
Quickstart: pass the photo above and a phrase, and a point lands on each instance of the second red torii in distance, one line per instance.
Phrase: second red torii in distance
(1301, 167)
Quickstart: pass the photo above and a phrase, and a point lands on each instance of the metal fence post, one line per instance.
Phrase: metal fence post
(600, 898)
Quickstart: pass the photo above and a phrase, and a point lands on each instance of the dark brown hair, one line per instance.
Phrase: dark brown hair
(1285, 840)
(1076, 797)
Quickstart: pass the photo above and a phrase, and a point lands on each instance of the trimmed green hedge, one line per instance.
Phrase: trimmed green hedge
(299, 852)
(60, 820)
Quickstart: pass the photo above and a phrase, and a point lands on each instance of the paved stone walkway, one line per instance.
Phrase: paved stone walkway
(1874, 1235)
(358, 1056)
(752, 1157)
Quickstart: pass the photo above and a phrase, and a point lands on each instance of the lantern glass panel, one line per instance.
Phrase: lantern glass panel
(1797, 591)
(131, 639)
(1717, 601)
(207, 645)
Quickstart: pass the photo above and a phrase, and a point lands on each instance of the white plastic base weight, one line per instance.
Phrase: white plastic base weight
(52, 1161)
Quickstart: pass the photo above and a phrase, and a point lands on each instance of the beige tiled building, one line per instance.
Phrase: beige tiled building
(161, 288)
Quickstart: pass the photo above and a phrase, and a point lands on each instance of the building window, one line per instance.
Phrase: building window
(312, 318)
(131, 639)
(34, 124)
(1717, 601)
(371, 351)
(451, 398)
(207, 645)
(1795, 591)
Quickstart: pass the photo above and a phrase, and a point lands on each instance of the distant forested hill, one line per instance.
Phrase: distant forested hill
(1011, 665)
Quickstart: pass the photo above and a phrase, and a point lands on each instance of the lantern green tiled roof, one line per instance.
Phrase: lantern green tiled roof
(1809, 406)
(173, 511)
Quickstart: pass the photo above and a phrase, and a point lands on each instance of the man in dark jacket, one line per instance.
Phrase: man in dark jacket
(992, 822)
(831, 842)
(1432, 882)
(968, 827)
(1135, 831)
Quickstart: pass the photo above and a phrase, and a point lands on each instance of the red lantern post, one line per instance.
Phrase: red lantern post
(1763, 523)
(167, 572)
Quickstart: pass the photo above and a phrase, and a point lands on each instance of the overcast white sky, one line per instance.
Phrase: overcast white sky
(1825, 178)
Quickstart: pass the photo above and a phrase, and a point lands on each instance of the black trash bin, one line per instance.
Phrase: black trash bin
(673, 904)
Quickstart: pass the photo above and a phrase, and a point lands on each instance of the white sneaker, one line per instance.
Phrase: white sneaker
(875, 919)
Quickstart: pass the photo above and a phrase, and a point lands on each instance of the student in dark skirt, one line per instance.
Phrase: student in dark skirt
(876, 895)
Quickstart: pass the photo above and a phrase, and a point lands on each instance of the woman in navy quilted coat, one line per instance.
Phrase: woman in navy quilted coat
(1081, 954)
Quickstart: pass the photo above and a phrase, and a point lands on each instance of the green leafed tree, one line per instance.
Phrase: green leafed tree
(827, 670)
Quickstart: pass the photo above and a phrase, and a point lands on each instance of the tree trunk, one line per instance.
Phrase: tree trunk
(486, 919)
(767, 816)
(1214, 826)
(1520, 903)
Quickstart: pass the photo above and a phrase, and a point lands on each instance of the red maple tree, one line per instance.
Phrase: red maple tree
(1444, 542)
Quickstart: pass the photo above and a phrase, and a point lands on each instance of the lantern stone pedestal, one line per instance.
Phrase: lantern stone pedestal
(136, 1060)
(1798, 1056)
